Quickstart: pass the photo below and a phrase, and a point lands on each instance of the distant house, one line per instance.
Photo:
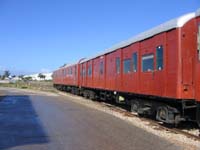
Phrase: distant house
(14, 79)
(4, 81)
(48, 76)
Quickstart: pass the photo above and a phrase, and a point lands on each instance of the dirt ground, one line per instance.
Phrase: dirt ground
(1, 95)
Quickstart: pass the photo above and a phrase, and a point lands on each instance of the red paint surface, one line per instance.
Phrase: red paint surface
(180, 77)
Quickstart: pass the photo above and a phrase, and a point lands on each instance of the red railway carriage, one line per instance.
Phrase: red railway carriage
(156, 72)
(66, 77)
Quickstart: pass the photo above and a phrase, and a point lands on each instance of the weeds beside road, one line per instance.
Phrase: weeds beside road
(46, 86)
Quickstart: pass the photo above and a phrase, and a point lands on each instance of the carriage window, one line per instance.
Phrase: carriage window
(118, 65)
(68, 71)
(75, 71)
(127, 65)
(147, 63)
(64, 72)
(135, 62)
(90, 70)
(159, 58)
(71, 71)
(198, 41)
(101, 67)
(83, 73)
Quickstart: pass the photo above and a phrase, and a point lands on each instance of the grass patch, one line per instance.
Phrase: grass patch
(46, 86)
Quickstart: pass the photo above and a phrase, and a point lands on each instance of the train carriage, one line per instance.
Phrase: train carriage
(156, 72)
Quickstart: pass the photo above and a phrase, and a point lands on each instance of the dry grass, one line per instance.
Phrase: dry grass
(34, 85)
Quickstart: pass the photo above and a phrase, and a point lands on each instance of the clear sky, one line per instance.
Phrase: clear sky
(41, 35)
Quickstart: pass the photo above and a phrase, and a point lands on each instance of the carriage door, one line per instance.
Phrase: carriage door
(102, 72)
(197, 71)
(81, 75)
(127, 81)
(159, 68)
(189, 50)
(84, 74)
(75, 74)
(147, 78)
(152, 65)
(118, 74)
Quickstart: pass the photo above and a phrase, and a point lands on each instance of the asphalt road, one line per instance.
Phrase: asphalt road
(42, 122)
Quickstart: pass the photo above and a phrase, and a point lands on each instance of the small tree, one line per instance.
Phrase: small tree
(41, 76)
(21, 77)
(6, 74)
(26, 79)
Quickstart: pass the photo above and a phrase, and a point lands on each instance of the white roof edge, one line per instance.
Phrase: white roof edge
(65, 66)
(198, 12)
(174, 23)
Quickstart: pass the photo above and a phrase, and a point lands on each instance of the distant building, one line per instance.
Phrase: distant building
(4, 81)
(48, 76)
(14, 79)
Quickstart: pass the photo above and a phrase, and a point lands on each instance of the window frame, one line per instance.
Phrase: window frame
(125, 71)
(75, 71)
(71, 70)
(135, 61)
(118, 65)
(147, 55)
(90, 70)
(81, 68)
(101, 68)
(159, 67)
(84, 70)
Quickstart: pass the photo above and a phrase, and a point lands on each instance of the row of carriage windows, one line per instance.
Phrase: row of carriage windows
(132, 64)
(67, 72)
(147, 62)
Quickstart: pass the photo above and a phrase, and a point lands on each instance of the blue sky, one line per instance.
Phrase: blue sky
(41, 35)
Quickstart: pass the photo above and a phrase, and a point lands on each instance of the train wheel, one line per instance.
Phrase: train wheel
(134, 106)
(91, 95)
(73, 90)
(162, 114)
(85, 94)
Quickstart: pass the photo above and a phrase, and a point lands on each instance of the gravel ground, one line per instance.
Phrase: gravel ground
(2, 94)
(188, 143)
(192, 131)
